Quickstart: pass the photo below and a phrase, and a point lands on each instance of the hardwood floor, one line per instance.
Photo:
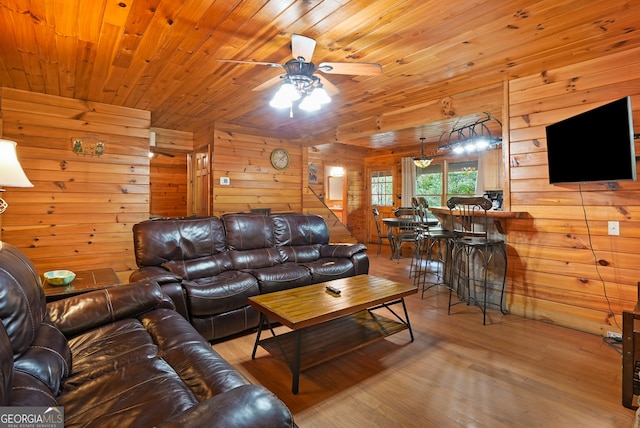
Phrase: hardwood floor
(513, 372)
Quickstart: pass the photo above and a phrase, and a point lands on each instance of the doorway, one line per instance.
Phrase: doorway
(200, 178)
(336, 191)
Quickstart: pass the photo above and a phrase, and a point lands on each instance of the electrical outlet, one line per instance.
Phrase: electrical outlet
(615, 336)
(614, 228)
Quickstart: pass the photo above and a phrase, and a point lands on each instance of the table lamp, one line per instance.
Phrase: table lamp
(11, 173)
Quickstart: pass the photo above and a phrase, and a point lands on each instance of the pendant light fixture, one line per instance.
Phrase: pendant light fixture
(422, 161)
(474, 137)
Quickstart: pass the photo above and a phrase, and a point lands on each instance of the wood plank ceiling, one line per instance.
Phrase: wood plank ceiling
(160, 55)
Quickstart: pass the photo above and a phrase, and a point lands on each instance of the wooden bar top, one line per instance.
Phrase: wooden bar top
(490, 213)
(499, 217)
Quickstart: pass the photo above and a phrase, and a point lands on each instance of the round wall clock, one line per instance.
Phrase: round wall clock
(280, 158)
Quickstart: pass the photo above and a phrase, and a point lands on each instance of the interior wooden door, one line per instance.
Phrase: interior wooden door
(201, 179)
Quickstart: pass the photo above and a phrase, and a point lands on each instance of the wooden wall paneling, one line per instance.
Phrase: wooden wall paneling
(169, 139)
(80, 213)
(564, 267)
(254, 182)
(168, 172)
(168, 184)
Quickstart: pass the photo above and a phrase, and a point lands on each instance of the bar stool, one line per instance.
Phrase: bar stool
(474, 250)
(430, 238)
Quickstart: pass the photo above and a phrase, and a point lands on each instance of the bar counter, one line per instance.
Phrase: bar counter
(499, 217)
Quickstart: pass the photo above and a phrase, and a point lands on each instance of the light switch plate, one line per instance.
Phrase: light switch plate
(614, 228)
(225, 181)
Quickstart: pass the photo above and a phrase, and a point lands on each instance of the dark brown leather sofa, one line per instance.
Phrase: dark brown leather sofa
(209, 266)
(117, 358)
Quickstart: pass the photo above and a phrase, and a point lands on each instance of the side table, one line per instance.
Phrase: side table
(86, 280)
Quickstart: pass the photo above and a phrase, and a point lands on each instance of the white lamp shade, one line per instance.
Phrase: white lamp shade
(308, 104)
(319, 95)
(11, 173)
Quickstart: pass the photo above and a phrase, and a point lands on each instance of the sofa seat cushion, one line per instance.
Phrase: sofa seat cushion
(281, 277)
(104, 349)
(123, 397)
(140, 372)
(220, 293)
(328, 269)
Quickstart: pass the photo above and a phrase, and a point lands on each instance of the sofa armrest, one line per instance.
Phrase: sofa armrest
(86, 311)
(245, 406)
(341, 250)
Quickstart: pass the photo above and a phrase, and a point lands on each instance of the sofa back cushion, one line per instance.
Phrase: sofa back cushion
(22, 303)
(299, 229)
(202, 267)
(256, 259)
(248, 231)
(162, 240)
(6, 367)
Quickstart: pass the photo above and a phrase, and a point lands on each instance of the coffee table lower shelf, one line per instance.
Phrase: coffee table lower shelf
(323, 342)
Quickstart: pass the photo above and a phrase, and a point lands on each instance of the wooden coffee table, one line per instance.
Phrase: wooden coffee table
(325, 325)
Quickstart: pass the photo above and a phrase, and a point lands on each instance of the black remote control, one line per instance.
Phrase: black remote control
(333, 289)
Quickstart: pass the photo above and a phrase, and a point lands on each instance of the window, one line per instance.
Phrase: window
(429, 184)
(461, 177)
(381, 188)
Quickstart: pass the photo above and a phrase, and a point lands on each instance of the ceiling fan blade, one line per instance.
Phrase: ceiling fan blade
(354, 68)
(239, 61)
(302, 46)
(328, 86)
(269, 83)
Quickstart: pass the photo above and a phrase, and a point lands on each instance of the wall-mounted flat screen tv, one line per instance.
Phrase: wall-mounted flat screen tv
(596, 145)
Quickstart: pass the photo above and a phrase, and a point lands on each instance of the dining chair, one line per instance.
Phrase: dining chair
(406, 233)
(473, 254)
(381, 236)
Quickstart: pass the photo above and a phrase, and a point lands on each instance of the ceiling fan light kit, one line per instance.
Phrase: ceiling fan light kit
(299, 80)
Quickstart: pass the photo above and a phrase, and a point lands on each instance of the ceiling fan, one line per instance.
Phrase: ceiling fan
(300, 80)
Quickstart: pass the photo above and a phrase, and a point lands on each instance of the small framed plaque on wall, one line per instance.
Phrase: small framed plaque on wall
(313, 174)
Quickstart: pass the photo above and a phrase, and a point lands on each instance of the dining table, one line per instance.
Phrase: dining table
(398, 225)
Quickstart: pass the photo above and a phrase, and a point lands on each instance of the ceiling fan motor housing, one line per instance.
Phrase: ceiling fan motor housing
(300, 73)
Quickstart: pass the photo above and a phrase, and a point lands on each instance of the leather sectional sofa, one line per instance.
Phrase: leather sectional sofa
(117, 357)
(209, 266)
